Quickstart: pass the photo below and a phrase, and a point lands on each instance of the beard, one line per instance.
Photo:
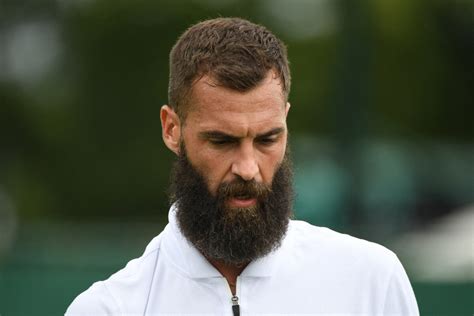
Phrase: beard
(238, 235)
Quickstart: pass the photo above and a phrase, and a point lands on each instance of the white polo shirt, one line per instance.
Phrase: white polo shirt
(316, 271)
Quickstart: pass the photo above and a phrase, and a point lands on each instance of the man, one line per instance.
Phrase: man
(230, 247)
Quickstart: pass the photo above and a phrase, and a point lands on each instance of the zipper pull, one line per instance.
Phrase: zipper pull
(235, 306)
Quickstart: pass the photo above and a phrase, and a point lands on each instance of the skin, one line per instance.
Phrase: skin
(230, 134)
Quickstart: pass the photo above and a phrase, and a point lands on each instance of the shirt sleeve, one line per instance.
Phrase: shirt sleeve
(96, 300)
(400, 299)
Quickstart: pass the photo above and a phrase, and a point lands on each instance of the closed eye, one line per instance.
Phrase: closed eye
(271, 137)
(266, 141)
(222, 141)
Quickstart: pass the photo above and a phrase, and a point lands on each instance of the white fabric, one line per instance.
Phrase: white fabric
(316, 271)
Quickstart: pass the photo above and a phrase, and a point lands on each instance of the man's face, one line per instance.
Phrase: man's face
(232, 179)
(233, 135)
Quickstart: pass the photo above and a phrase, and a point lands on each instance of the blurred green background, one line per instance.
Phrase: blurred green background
(381, 132)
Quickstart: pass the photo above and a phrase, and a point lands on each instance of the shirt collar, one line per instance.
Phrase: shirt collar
(188, 259)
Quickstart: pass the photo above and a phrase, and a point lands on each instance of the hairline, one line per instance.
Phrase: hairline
(186, 100)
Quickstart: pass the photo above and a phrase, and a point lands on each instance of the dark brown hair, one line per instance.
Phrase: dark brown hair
(236, 53)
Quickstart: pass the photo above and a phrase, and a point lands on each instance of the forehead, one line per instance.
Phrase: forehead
(216, 107)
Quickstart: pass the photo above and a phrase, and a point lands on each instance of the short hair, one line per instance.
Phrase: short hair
(235, 52)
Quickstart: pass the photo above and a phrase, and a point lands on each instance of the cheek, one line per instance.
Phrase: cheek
(213, 167)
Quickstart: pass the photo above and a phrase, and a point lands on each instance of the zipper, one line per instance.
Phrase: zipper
(233, 297)
(235, 305)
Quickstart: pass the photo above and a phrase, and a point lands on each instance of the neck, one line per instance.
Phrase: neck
(230, 272)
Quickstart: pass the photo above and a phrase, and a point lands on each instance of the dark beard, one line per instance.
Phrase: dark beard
(233, 236)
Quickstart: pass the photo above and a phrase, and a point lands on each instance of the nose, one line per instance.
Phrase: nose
(245, 164)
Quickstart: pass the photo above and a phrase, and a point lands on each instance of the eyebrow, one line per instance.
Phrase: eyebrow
(223, 135)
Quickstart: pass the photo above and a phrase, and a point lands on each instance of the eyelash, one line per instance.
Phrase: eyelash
(266, 141)
(221, 142)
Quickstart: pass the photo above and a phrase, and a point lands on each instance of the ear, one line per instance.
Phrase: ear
(171, 128)
(287, 108)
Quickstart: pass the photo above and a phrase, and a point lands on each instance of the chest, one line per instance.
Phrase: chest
(291, 292)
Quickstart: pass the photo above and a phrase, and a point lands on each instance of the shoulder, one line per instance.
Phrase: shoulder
(350, 264)
(326, 244)
(133, 281)
(96, 300)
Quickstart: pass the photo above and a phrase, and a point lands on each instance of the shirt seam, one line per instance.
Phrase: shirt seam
(152, 281)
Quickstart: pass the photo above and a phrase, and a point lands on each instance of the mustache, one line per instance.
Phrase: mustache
(239, 188)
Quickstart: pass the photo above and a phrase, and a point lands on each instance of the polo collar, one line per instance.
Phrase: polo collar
(184, 255)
